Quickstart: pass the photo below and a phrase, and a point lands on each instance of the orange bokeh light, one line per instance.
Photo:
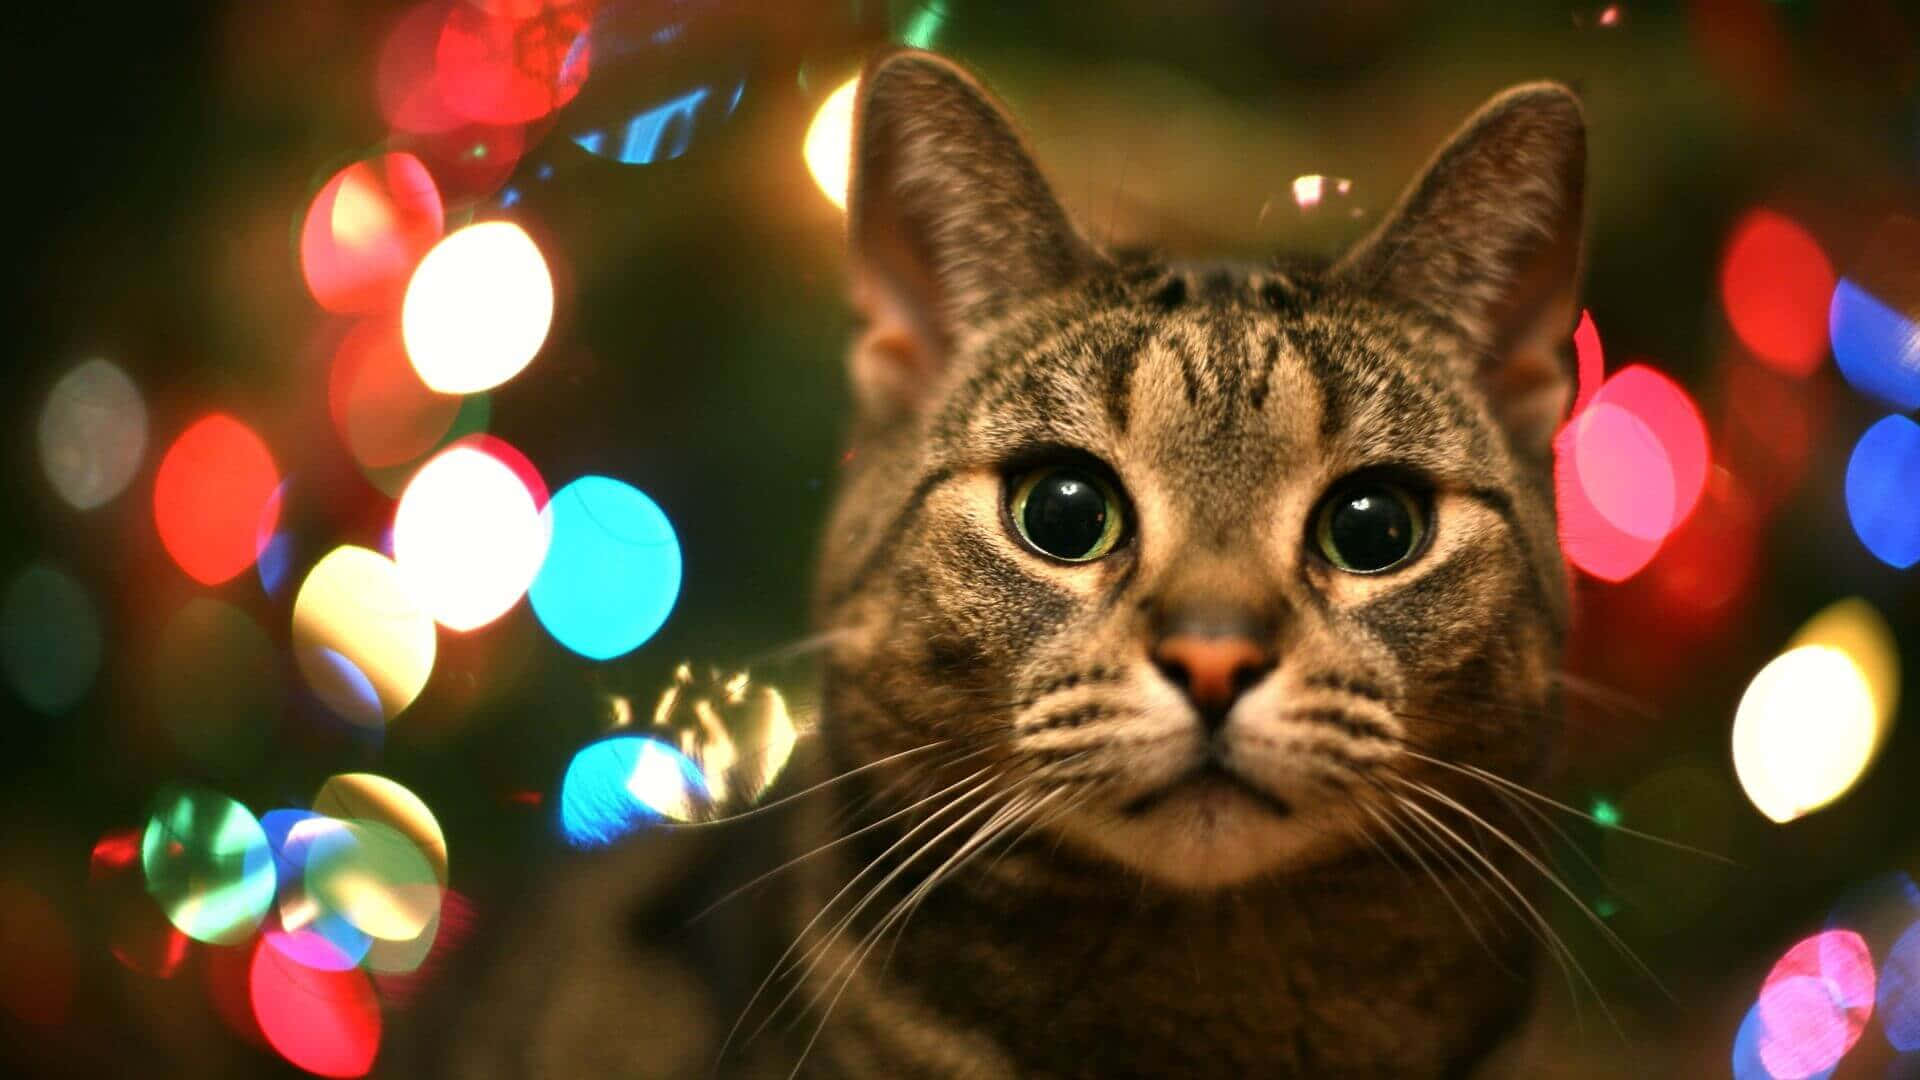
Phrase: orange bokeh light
(213, 497)
(385, 415)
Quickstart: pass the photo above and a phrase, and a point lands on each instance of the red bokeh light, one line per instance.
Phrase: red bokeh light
(213, 496)
(384, 414)
(226, 971)
(366, 229)
(505, 67)
(1709, 563)
(137, 931)
(1776, 284)
(404, 81)
(326, 1022)
(1591, 361)
(1769, 425)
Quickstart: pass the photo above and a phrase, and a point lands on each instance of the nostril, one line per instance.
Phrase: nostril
(1212, 671)
(1174, 670)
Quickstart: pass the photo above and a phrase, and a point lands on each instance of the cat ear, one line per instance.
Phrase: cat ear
(1487, 240)
(949, 223)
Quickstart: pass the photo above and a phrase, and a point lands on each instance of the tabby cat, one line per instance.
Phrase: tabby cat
(1179, 614)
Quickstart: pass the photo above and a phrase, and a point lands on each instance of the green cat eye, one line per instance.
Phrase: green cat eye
(1067, 512)
(1369, 526)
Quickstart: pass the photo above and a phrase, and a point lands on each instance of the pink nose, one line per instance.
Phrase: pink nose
(1214, 671)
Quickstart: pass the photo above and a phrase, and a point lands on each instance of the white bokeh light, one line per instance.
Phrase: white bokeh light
(1805, 731)
(468, 537)
(477, 308)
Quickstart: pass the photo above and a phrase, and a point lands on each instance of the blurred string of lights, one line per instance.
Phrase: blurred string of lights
(313, 919)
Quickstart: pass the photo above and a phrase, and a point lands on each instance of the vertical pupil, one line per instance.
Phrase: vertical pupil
(1372, 531)
(1065, 515)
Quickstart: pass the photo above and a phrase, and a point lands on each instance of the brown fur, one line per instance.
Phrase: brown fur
(1063, 931)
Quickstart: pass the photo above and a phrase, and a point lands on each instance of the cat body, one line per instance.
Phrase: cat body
(1177, 615)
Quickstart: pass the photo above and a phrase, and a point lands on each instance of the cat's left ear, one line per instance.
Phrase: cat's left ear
(949, 224)
(1487, 240)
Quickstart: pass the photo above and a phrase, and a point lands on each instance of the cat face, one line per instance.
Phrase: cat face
(1197, 562)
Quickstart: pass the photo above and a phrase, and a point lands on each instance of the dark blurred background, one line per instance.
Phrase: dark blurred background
(1748, 156)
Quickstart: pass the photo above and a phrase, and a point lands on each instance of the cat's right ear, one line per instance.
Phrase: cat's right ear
(949, 224)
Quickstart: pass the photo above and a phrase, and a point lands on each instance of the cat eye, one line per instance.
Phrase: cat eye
(1369, 526)
(1067, 512)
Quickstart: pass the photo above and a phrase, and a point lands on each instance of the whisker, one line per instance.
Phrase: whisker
(1554, 879)
(1558, 947)
(787, 800)
(1479, 773)
(779, 964)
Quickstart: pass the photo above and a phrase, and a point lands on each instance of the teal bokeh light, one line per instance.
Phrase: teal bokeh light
(612, 571)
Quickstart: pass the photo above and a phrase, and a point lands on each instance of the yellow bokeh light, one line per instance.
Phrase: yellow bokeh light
(468, 538)
(477, 308)
(829, 143)
(1855, 628)
(371, 797)
(1805, 731)
(360, 639)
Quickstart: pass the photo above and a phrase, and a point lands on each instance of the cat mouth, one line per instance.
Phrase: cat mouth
(1208, 779)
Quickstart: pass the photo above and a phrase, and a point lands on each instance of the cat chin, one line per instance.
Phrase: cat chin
(1207, 841)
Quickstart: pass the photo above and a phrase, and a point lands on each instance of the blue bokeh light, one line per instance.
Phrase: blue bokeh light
(1875, 347)
(326, 941)
(1881, 479)
(611, 788)
(612, 571)
(1899, 997)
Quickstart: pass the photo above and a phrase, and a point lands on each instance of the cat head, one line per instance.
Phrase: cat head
(1203, 559)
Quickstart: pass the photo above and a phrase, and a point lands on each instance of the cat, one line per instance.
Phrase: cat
(1178, 615)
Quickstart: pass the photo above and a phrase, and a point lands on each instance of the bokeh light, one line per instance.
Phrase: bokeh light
(50, 638)
(621, 783)
(512, 64)
(362, 642)
(404, 74)
(1805, 731)
(1876, 347)
(1775, 283)
(828, 148)
(477, 308)
(468, 537)
(1899, 996)
(373, 876)
(213, 685)
(366, 228)
(93, 432)
(1880, 491)
(1853, 627)
(1815, 1004)
(663, 131)
(137, 931)
(212, 496)
(373, 798)
(1629, 468)
(384, 414)
(326, 1022)
(208, 865)
(612, 570)
(299, 926)
(739, 733)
